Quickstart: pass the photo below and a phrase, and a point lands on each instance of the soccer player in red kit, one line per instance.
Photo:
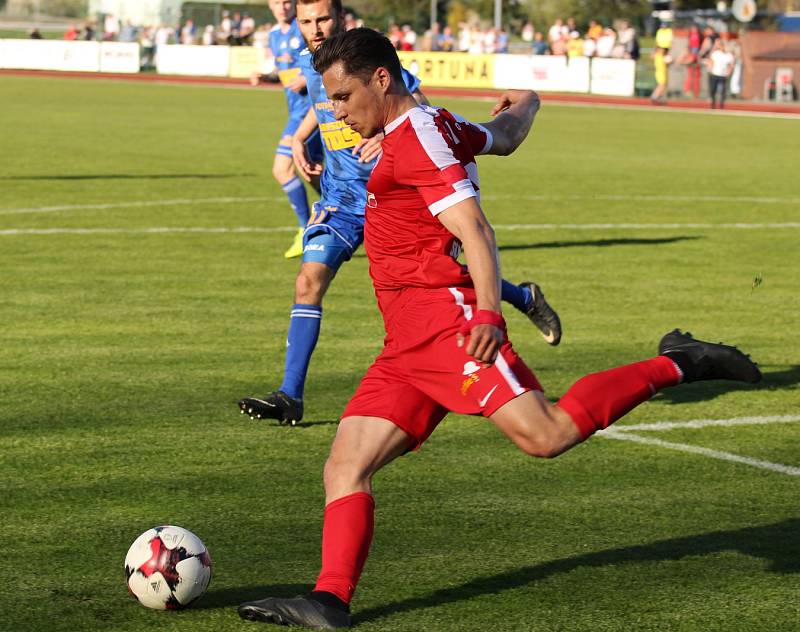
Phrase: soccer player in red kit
(446, 347)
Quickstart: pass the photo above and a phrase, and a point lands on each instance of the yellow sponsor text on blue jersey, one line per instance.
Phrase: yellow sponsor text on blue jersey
(338, 135)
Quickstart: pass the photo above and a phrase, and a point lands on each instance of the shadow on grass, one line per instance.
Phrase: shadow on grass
(704, 391)
(232, 597)
(600, 243)
(132, 176)
(777, 543)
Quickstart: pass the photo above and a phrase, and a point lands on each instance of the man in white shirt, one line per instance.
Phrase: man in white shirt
(720, 67)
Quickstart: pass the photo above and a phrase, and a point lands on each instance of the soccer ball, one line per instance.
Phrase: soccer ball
(167, 568)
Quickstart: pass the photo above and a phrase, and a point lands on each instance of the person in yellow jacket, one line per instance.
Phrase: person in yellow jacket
(661, 61)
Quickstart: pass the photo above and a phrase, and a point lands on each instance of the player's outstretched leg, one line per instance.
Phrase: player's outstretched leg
(597, 400)
(529, 299)
(308, 611)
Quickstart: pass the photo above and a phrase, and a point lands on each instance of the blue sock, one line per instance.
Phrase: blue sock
(303, 334)
(517, 295)
(296, 193)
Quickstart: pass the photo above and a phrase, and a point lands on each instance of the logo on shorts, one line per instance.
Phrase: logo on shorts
(317, 247)
(471, 367)
(471, 371)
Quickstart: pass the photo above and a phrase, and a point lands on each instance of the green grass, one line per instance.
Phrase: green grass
(123, 355)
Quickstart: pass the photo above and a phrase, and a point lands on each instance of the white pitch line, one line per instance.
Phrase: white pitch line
(140, 231)
(706, 423)
(647, 198)
(135, 204)
(714, 454)
(632, 226)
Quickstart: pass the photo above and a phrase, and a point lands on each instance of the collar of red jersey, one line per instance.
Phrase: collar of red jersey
(393, 125)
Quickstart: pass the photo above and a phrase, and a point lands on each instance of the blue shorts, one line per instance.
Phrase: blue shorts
(332, 235)
(316, 152)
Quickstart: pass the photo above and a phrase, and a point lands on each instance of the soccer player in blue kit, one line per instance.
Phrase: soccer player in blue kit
(336, 226)
(286, 43)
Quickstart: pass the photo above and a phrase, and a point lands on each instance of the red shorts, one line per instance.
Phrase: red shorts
(422, 374)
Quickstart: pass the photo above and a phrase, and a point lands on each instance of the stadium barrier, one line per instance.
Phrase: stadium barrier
(24, 54)
(446, 70)
(534, 72)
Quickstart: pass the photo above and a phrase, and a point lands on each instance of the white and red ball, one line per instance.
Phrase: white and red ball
(167, 568)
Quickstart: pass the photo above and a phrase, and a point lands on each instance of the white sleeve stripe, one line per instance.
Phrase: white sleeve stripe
(431, 140)
(451, 200)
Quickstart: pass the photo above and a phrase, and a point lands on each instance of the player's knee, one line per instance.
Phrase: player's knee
(282, 171)
(307, 289)
(544, 438)
(542, 447)
(341, 473)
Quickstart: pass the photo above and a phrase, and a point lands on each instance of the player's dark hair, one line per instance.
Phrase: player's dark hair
(336, 4)
(362, 51)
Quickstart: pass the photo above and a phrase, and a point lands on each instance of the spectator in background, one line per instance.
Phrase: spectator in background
(502, 42)
(72, 33)
(110, 28)
(574, 45)
(707, 45)
(261, 36)
(595, 30)
(589, 46)
(433, 39)
(606, 42)
(664, 36)
(736, 77)
(34, 34)
(395, 36)
(661, 62)
(559, 46)
(539, 46)
(236, 25)
(447, 42)
(720, 67)
(129, 32)
(209, 37)
(88, 31)
(629, 41)
(188, 33)
(556, 32)
(225, 27)
(528, 33)
(350, 21)
(248, 27)
(490, 41)
(409, 40)
(162, 36)
(148, 46)
(691, 60)
(475, 41)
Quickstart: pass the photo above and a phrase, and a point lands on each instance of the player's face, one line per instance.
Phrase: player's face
(358, 104)
(282, 10)
(318, 21)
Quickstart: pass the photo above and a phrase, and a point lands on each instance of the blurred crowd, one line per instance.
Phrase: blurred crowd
(564, 37)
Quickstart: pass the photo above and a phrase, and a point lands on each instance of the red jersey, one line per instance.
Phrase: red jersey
(427, 166)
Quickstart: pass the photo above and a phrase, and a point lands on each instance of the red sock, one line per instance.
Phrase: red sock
(346, 536)
(597, 400)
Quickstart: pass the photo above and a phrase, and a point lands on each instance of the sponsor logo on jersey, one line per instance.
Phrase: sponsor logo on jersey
(338, 135)
(371, 201)
(294, 42)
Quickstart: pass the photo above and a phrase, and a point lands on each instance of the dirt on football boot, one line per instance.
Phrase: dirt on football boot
(699, 360)
(542, 315)
(276, 405)
(305, 611)
(296, 249)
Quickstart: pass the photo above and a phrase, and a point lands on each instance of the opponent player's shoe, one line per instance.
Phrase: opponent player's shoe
(542, 315)
(276, 405)
(296, 249)
(305, 611)
(699, 360)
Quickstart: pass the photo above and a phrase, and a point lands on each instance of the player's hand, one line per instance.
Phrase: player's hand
(510, 97)
(370, 148)
(298, 84)
(484, 343)
(307, 168)
(255, 78)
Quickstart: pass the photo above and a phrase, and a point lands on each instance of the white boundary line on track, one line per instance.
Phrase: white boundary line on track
(488, 197)
(622, 433)
(165, 230)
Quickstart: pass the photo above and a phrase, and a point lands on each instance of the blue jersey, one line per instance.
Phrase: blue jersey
(344, 179)
(286, 48)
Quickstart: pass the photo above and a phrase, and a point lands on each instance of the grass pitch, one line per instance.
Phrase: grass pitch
(129, 336)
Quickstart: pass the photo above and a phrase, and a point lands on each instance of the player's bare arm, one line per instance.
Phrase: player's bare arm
(514, 114)
(469, 225)
(307, 168)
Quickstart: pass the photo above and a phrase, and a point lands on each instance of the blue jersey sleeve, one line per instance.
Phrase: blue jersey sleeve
(412, 82)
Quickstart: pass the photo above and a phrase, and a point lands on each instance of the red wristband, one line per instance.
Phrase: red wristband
(484, 317)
